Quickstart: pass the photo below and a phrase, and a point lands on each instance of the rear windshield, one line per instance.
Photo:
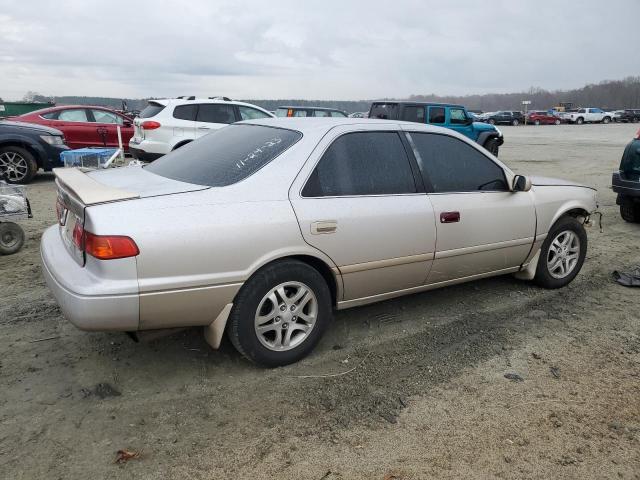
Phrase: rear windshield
(631, 159)
(225, 156)
(151, 110)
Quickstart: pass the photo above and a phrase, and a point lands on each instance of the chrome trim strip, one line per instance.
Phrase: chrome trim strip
(389, 262)
(484, 248)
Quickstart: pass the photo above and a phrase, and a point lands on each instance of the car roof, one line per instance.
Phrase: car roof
(67, 107)
(313, 124)
(308, 107)
(409, 102)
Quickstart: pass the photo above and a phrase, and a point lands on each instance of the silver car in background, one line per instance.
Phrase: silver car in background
(262, 228)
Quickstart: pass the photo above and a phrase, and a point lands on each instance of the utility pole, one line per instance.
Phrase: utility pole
(526, 103)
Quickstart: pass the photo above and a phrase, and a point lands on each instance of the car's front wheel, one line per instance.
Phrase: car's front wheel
(580, 121)
(562, 254)
(606, 120)
(557, 121)
(515, 122)
(17, 165)
(491, 121)
(280, 313)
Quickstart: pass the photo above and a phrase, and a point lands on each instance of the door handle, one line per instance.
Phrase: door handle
(204, 128)
(449, 217)
(324, 226)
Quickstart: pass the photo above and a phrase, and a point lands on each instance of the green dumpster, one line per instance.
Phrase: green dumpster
(11, 109)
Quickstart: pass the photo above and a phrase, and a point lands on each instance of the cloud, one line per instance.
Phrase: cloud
(325, 49)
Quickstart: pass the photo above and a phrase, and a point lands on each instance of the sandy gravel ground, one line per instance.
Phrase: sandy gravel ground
(426, 396)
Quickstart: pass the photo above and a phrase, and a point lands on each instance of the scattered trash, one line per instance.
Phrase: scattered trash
(126, 455)
(537, 356)
(44, 339)
(514, 377)
(555, 371)
(628, 279)
(101, 390)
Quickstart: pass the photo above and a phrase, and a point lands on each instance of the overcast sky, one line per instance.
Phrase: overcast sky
(324, 49)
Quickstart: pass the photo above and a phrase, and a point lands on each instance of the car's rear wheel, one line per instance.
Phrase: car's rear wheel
(557, 121)
(515, 122)
(492, 146)
(562, 254)
(17, 165)
(580, 121)
(630, 211)
(280, 313)
(536, 122)
(491, 121)
(11, 238)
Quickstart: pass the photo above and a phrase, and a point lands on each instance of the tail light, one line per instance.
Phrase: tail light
(109, 247)
(150, 125)
(638, 135)
(104, 247)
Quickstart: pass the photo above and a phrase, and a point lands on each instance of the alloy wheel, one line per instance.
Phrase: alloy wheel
(285, 316)
(9, 239)
(563, 254)
(14, 166)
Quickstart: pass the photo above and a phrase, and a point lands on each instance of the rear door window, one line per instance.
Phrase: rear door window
(73, 115)
(436, 115)
(362, 163)
(449, 165)
(225, 156)
(338, 114)
(321, 113)
(387, 111)
(413, 113)
(215, 113)
(300, 113)
(185, 112)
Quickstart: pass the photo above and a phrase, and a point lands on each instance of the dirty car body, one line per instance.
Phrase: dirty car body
(244, 226)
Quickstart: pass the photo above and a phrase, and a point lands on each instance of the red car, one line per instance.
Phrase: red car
(542, 118)
(84, 126)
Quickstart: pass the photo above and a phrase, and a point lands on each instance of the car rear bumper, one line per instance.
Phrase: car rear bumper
(74, 289)
(140, 154)
(624, 188)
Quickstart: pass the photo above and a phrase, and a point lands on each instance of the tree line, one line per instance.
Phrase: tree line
(608, 94)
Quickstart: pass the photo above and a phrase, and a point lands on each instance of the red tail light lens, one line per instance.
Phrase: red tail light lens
(150, 125)
(78, 235)
(109, 247)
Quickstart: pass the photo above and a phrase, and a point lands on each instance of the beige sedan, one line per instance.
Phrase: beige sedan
(263, 228)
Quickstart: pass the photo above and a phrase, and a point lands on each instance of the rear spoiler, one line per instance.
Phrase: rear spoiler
(88, 190)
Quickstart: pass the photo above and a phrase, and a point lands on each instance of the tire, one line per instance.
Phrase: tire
(254, 300)
(548, 273)
(515, 122)
(630, 211)
(557, 121)
(491, 121)
(11, 238)
(492, 145)
(606, 120)
(580, 121)
(536, 122)
(17, 164)
(635, 120)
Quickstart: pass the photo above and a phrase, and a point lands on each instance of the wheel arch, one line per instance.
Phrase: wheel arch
(33, 149)
(181, 143)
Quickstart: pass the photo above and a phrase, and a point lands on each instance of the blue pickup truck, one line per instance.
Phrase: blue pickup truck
(446, 115)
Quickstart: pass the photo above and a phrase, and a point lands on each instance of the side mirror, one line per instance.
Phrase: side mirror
(469, 120)
(521, 184)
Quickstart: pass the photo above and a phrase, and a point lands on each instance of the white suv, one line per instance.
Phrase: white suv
(167, 124)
